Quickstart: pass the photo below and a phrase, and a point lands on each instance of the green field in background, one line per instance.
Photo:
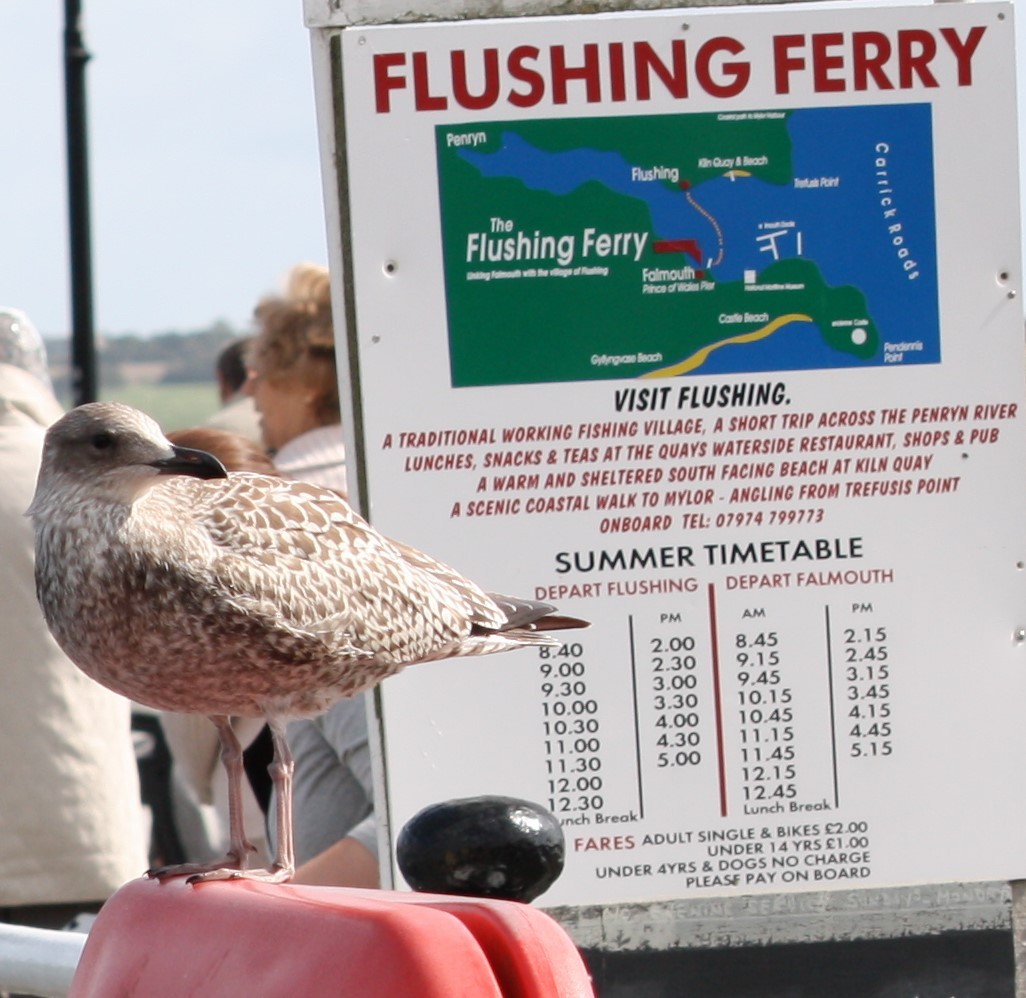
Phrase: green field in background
(175, 407)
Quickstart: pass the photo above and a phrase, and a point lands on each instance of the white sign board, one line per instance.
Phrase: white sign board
(704, 325)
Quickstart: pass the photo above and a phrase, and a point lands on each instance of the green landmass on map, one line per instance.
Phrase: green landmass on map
(682, 143)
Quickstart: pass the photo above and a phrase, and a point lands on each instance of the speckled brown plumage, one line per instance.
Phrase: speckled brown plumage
(249, 595)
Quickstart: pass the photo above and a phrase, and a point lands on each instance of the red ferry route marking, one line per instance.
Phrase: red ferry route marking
(691, 246)
(708, 216)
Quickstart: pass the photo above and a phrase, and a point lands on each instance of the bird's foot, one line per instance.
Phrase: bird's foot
(275, 875)
(230, 866)
(184, 870)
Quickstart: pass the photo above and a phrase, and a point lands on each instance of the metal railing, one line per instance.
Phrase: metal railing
(38, 961)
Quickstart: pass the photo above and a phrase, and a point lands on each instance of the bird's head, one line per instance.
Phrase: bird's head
(109, 450)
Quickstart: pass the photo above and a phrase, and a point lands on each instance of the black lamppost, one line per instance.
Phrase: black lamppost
(83, 346)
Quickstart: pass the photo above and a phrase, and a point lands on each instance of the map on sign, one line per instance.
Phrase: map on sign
(705, 243)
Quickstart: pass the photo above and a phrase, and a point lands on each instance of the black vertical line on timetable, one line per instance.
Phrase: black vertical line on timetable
(717, 699)
(833, 716)
(637, 726)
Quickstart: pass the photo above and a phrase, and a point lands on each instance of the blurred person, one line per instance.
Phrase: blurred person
(199, 787)
(71, 818)
(234, 450)
(294, 381)
(237, 413)
(21, 346)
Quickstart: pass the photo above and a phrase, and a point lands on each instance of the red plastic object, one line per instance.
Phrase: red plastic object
(241, 938)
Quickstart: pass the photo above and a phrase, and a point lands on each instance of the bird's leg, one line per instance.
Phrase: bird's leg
(281, 769)
(239, 847)
(233, 866)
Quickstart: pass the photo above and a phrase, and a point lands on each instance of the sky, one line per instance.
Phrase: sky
(204, 169)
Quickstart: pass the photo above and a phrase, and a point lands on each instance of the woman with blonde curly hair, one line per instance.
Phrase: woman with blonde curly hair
(294, 382)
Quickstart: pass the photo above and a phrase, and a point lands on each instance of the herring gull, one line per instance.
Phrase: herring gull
(188, 589)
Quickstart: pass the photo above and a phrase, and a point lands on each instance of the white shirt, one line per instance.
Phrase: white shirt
(71, 824)
(317, 456)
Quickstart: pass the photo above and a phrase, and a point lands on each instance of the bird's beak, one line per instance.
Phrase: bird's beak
(187, 461)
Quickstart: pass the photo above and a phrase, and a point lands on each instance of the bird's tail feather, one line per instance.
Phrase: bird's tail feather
(523, 615)
(497, 641)
(559, 622)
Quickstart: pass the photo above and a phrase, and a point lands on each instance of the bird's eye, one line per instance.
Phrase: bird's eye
(102, 441)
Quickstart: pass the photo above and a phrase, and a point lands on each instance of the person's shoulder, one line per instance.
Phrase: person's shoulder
(237, 416)
(25, 400)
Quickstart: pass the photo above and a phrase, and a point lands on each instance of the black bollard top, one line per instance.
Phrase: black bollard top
(498, 847)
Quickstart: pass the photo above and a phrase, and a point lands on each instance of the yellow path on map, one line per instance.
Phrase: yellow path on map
(699, 358)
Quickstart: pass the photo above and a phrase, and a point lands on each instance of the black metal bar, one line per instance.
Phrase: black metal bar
(83, 340)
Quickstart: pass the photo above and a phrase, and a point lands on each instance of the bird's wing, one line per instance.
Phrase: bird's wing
(301, 552)
(485, 612)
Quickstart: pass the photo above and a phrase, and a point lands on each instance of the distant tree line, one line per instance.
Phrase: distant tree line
(163, 358)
